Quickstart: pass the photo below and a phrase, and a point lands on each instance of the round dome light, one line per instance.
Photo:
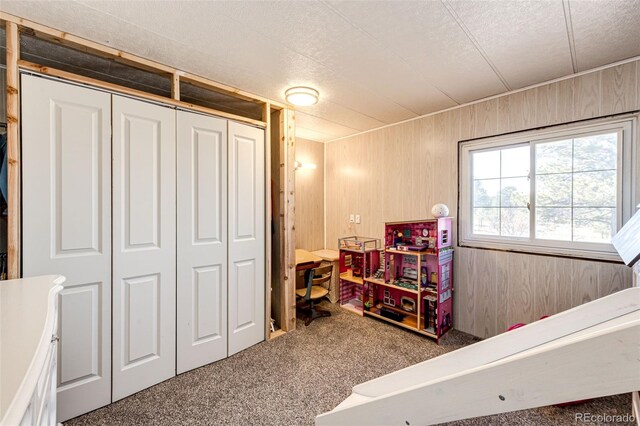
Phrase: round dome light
(302, 96)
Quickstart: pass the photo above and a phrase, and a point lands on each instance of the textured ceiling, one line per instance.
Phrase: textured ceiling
(374, 62)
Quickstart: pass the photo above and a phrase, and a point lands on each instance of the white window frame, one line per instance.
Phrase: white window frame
(627, 191)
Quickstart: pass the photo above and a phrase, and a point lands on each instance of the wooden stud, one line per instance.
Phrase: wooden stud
(288, 141)
(175, 86)
(13, 151)
(277, 246)
(138, 93)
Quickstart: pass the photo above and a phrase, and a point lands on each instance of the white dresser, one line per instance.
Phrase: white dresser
(28, 340)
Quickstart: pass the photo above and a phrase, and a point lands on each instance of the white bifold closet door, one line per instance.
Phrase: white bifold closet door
(202, 240)
(246, 237)
(66, 214)
(144, 245)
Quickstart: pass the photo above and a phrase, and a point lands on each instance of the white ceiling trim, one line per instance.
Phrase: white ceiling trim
(533, 86)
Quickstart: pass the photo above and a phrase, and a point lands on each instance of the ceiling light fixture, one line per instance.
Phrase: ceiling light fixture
(302, 96)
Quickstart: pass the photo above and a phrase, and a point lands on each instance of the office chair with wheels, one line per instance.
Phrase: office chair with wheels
(314, 291)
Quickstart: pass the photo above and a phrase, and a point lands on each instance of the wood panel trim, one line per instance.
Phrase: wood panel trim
(13, 151)
(30, 66)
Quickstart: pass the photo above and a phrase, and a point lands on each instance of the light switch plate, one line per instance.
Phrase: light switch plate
(357, 218)
(351, 218)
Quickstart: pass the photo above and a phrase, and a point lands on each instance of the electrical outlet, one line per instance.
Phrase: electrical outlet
(357, 218)
(351, 218)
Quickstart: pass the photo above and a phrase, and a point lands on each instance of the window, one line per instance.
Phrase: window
(562, 190)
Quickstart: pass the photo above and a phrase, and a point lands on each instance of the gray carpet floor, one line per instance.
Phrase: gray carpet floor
(293, 378)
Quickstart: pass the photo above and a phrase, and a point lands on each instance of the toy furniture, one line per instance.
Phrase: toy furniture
(595, 348)
(315, 291)
(416, 291)
(359, 258)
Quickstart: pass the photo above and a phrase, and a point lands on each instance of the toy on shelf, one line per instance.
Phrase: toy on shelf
(440, 210)
(359, 256)
(417, 290)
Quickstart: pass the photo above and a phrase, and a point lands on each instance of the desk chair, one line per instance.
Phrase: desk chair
(314, 291)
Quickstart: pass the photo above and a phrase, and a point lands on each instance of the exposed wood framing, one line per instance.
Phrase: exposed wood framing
(79, 43)
(175, 86)
(277, 246)
(277, 333)
(13, 151)
(266, 117)
(222, 88)
(138, 93)
(287, 159)
(60, 37)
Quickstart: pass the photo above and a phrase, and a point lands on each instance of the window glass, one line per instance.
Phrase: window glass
(557, 189)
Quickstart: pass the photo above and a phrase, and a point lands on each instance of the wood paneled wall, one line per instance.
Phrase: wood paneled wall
(310, 196)
(399, 172)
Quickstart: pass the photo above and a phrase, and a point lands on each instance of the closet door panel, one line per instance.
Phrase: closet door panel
(246, 237)
(202, 240)
(144, 245)
(66, 172)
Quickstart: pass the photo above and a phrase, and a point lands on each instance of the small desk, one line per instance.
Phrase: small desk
(306, 261)
(332, 257)
(305, 258)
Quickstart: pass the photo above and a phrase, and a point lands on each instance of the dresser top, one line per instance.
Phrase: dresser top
(27, 322)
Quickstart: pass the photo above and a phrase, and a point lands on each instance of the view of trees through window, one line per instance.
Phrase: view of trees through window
(574, 188)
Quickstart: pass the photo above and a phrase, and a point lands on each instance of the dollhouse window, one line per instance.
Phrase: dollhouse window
(561, 190)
